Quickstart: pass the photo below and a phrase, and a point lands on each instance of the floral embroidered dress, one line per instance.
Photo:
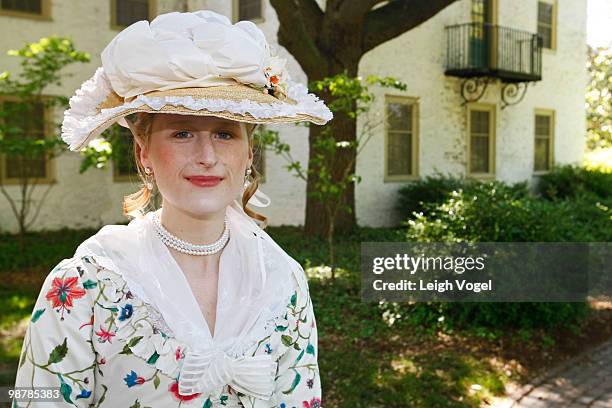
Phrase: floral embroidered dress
(107, 340)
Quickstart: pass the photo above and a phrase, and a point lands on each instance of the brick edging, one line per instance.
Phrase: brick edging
(519, 393)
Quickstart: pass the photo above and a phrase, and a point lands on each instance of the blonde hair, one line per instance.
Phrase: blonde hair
(135, 204)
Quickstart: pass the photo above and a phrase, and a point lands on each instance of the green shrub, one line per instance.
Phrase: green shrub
(430, 190)
(495, 212)
(424, 195)
(42, 248)
(494, 316)
(522, 315)
(570, 181)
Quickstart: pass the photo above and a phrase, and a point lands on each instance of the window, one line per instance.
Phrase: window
(482, 51)
(127, 12)
(124, 167)
(37, 9)
(544, 138)
(401, 138)
(481, 143)
(248, 10)
(484, 11)
(29, 121)
(547, 24)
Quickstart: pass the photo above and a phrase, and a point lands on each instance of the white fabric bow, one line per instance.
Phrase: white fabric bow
(179, 50)
(212, 369)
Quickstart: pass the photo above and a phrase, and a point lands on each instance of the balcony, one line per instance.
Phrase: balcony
(488, 50)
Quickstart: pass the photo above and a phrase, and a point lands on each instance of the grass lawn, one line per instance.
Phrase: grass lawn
(368, 354)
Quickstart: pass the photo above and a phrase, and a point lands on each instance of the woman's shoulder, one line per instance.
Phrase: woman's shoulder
(78, 270)
(73, 278)
(77, 281)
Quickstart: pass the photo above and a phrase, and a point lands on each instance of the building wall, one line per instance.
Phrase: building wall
(416, 58)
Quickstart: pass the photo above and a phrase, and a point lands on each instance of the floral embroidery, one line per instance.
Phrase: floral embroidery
(89, 323)
(126, 312)
(84, 394)
(63, 292)
(132, 379)
(130, 341)
(105, 335)
(174, 390)
(314, 403)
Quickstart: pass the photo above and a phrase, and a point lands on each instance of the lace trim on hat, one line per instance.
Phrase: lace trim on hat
(82, 118)
(83, 106)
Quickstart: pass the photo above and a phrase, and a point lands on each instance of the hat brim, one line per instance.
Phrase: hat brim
(238, 102)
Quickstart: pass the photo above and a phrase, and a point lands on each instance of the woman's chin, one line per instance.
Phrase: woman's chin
(205, 206)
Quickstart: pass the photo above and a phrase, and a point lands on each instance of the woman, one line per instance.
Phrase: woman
(191, 304)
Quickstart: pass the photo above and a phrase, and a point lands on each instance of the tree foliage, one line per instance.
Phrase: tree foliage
(599, 99)
(21, 138)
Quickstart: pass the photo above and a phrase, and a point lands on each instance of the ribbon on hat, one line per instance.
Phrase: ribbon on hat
(210, 370)
(257, 197)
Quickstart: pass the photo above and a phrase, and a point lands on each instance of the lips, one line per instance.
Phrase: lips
(204, 181)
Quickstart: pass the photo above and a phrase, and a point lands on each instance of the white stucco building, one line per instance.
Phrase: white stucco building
(433, 125)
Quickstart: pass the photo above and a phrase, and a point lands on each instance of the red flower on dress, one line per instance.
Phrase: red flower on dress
(174, 389)
(90, 323)
(63, 292)
(314, 403)
(178, 354)
(105, 335)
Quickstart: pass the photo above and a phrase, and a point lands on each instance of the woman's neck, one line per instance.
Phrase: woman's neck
(195, 229)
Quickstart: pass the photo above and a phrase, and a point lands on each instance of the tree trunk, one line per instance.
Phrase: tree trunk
(327, 42)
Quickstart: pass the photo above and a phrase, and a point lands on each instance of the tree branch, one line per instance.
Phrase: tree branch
(10, 200)
(397, 17)
(349, 11)
(299, 21)
(40, 204)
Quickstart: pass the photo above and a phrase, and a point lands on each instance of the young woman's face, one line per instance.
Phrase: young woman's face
(184, 150)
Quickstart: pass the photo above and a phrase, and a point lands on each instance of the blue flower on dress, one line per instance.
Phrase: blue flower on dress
(84, 394)
(132, 379)
(126, 312)
(268, 349)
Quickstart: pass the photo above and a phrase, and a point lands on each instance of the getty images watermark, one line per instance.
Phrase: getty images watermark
(486, 272)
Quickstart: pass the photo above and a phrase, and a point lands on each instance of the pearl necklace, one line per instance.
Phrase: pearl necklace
(187, 247)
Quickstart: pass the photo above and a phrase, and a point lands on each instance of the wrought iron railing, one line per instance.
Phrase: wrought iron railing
(482, 49)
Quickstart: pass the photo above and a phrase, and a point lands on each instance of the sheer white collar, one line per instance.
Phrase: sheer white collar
(255, 279)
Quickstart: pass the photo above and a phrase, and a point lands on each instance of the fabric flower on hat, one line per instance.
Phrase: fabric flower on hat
(277, 75)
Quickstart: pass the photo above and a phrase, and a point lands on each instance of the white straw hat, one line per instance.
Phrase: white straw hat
(196, 63)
